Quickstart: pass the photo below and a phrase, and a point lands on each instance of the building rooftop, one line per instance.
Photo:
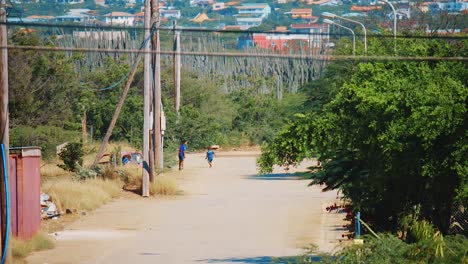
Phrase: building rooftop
(120, 14)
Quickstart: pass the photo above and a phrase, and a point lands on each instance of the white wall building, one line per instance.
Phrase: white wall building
(119, 18)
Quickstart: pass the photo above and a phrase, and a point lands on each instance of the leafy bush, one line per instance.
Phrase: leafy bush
(72, 157)
(388, 249)
(46, 137)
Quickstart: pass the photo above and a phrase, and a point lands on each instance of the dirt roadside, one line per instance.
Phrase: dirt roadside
(227, 214)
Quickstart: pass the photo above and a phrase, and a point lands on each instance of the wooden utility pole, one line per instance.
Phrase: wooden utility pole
(84, 129)
(4, 125)
(157, 138)
(117, 111)
(147, 170)
(176, 68)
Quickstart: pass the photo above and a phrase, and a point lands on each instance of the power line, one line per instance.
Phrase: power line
(123, 78)
(244, 32)
(244, 55)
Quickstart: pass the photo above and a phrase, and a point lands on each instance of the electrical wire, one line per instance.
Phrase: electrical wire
(245, 32)
(123, 78)
(246, 55)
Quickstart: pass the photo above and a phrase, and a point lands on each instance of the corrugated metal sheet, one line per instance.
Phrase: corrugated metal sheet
(25, 180)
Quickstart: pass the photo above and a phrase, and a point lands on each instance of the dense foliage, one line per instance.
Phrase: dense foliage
(51, 94)
(392, 137)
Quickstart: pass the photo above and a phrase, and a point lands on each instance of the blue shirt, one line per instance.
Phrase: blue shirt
(210, 154)
(182, 150)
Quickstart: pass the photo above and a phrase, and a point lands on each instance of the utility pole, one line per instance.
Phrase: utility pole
(157, 137)
(146, 172)
(176, 68)
(4, 124)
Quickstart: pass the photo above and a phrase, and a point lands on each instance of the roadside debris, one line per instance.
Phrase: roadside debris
(48, 208)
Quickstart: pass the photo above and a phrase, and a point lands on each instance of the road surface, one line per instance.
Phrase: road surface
(227, 214)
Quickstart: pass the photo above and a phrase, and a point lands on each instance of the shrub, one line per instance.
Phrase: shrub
(46, 137)
(72, 157)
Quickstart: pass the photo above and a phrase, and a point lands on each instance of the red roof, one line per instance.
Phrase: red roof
(365, 8)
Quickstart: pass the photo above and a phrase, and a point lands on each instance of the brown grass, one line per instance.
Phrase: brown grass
(52, 171)
(81, 195)
(22, 248)
(164, 185)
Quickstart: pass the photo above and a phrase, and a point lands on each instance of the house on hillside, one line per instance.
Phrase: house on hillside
(201, 3)
(449, 7)
(71, 2)
(119, 18)
(319, 33)
(218, 6)
(35, 18)
(254, 9)
(78, 16)
(302, 13)
(200, 18)
(170, 13)
(251, 15)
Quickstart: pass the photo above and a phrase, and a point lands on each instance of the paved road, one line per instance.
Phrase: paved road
(227, 214)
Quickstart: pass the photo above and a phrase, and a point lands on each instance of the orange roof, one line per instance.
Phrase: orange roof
(301, 10)
(281, 29)
(200, 18)
(231, 27)
(365, 8)
(232, 3)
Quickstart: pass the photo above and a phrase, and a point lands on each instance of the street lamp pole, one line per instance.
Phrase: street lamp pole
(328, 21)
(331, 15)
(394, 22)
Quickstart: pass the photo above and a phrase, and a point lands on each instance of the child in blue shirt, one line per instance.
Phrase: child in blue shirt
(209, 156)
(182, 149)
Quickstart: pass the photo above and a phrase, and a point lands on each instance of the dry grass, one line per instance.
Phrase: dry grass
(134, 180)
(81, 195)
(22, 248)
(92, 148)
(52, 171)
(164, 185)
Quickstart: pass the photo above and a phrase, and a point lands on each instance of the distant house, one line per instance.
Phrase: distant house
(319, 33)
(218, 6)
(254, 9)
(170, 14)
(302, 13)
(200, 18)
(317, 2)
(357, 8)
(139, 18)
(251, 15)
(72, 2)
(284, 1)
(449, 7)
(40, 18)
(77, 16)
(202, 3)
(119, 18)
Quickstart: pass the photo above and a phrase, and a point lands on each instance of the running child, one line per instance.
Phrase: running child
(209, 156)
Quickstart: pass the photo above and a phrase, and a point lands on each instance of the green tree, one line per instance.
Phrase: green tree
(392, 138)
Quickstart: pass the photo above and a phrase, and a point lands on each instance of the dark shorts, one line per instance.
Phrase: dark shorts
(181, 157)
(210, 160)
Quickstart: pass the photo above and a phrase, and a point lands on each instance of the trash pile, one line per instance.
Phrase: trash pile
(48, 208)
